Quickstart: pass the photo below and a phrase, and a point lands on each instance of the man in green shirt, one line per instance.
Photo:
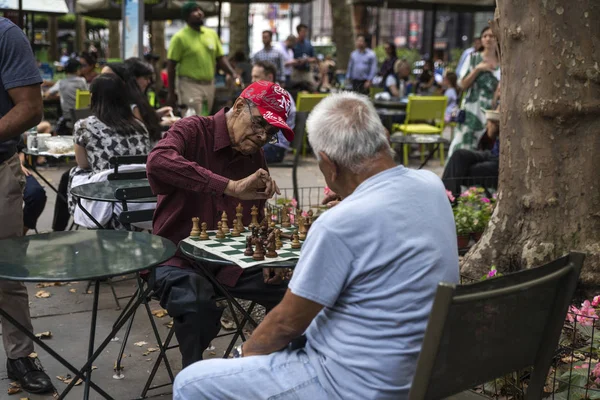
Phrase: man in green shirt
(193, 53)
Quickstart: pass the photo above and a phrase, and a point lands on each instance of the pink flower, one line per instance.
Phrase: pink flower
(596, 371)
(587, 314)
(485, 199)
(294, 203)
(571, 313)
(293, 218)
(304, 213)
(326, 191)
(449, 194)
(492, 273)
(596, 301)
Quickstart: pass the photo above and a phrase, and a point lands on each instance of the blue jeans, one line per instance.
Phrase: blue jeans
(286, 374)
(34, 198)
(273, 154)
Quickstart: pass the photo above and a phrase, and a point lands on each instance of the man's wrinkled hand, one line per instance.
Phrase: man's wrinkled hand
(274, 276)
(332, 199)
(259, 185)
(25, 171)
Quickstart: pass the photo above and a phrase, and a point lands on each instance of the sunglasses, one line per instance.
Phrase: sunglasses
(259, 125)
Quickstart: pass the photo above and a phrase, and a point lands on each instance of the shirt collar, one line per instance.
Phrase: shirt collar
(221, 134)
(193, 30)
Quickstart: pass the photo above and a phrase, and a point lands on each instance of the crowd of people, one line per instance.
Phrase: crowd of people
(312, 340)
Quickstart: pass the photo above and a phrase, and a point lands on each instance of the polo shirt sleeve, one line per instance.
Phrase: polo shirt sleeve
(323, 271)
(17, 63)
(219, 49)
(175, 49)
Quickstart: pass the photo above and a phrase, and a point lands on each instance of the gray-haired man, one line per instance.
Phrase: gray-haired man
(367, 274)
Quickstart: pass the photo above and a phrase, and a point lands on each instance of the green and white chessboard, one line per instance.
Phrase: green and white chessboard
(232, 248)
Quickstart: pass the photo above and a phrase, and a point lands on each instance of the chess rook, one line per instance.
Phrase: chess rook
(195, 228)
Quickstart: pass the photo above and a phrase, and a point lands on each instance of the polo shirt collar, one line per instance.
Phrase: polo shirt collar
(193, 30)
(221, 134)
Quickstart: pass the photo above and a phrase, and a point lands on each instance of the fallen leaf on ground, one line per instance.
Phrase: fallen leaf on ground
(68, 382)
(89, 292)
(24, 398)
(94, 367)
(152, 349)
(169, 324)
(33, 355)
(115, 366)
(14, 390)
(140, 344)
(48, 284)
(42, 294)
(148, 359)
(227, 324)
(145, 353)
(73, 290)
(160, 313)
(212, 353)
(44, 335)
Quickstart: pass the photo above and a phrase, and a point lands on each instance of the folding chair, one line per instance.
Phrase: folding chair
(482, 331)
(419, 109)
(83, 99)
(118, 161)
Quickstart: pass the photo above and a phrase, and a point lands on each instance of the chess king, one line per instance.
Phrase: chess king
(205, 166)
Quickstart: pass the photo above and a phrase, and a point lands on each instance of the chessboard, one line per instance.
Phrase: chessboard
(232, 248)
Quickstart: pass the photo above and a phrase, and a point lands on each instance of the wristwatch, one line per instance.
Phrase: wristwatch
(237, 352)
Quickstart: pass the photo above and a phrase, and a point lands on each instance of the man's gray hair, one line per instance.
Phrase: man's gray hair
(346, 127)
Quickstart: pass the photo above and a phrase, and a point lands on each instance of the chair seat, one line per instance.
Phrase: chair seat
(420, 129)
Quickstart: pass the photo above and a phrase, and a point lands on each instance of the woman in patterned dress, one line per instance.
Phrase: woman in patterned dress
(478, 79)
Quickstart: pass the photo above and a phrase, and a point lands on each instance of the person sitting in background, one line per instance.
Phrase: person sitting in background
(271, 55)
(387, 67)
(242, 66)
(34, 195)
(398, 84)
(393, 269)
(274, 152)
(66, 90)
(64, 57)
(88, 62)
(426, 82)
(362, 66)
(472, 167)
(450, 87)
(286, 49)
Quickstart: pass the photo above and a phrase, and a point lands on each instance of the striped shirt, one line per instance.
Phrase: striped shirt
(273, 56)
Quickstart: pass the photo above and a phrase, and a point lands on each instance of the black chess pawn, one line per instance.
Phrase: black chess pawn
(249, 251)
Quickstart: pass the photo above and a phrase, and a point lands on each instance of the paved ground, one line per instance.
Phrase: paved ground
(67, 315)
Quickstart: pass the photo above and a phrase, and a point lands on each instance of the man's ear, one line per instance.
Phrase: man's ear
(329, 166)
(238, 106)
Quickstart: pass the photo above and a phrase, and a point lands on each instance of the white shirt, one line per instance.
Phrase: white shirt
(288, 55)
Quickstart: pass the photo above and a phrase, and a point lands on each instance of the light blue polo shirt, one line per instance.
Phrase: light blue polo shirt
(374, 261)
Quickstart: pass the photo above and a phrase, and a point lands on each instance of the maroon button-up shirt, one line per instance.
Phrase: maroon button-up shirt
(189, 170)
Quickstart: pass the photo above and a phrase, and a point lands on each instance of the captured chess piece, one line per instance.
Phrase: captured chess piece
(220, 234)
(295, 241)
(254, 214)
(278, 243)
(239, 214)
(204, 233)
(195, 227)
(224, 224)
(249, 251)
(259, 252)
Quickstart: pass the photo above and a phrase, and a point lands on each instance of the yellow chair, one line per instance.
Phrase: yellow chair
(374, 90)
(151, 98)
(83, 98)
(424, 108)
(305, 102)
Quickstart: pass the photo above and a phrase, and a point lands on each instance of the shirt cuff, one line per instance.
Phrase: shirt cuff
(218, 183)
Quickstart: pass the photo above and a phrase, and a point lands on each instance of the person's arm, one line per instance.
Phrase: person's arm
(53, 92)
(168, 170)
(287, 321)
(391, 84)
(81, 157)
(223, 63)
(26, 113)
(373, 70)
(350, 66)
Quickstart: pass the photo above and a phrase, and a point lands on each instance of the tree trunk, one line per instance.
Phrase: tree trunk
(238, 28)
(343, 33)
(53, 38)
(549, 197)
(80, 33)
(158, 48)
(114, 40)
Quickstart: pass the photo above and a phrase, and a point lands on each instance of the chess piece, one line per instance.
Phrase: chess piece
(272, 224)
(269, 215)
(224, 224)
(220, 234)
(249, 251)
(254, 214)
(271, 253)
(236, 231)
(239, 213)
(195, 228)
(309, 219)
(285, 217)
(301, 228)
(278, 243)
(259, 252)
(204, 234)
(295, 242)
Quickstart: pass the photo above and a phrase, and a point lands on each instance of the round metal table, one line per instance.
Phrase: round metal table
(397, 104)
(406, 140)
(82, 256)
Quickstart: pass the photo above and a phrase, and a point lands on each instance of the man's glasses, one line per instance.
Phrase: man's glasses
(259, 125)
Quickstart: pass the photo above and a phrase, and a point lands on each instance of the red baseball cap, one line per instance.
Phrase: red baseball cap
(273, 103)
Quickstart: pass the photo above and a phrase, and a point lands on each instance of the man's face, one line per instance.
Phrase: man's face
(302, 34)
(360, 43)
(196, 17)
(266, 39)
(250, 131)
(290, 43)
(258, 74)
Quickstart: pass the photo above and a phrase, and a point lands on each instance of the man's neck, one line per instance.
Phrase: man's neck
(195, 27)
(351, 181)
(268, 46)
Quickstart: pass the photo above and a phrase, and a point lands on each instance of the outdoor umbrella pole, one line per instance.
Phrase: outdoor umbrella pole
(21, 14)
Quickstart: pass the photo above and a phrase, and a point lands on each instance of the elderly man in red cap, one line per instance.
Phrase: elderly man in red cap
(202, 167)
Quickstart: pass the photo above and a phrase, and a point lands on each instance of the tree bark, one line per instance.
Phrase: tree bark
(549, 194)
(158, 48)
(238, 28)
(343, 32)
(114, 40)
(53, 38)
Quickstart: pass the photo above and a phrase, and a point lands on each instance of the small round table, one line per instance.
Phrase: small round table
(105, 191)
(32, 166)
(406, 140)
(82, 256)
(395, 104)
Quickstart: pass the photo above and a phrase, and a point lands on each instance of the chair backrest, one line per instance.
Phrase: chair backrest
(483, 331)
(83, 113)
(128, 217)
(299, 135)
(308, 101)
(426, 108)
(83, 99)
(118, 161)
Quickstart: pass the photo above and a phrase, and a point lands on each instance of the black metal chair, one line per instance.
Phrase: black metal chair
(118, 161)
(82, 113)
(482, 331)
(299, 133)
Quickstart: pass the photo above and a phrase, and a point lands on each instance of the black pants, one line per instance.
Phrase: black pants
(61, 208)
(468, 167)
(190, 299)
(34, 198)
(358, 85)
